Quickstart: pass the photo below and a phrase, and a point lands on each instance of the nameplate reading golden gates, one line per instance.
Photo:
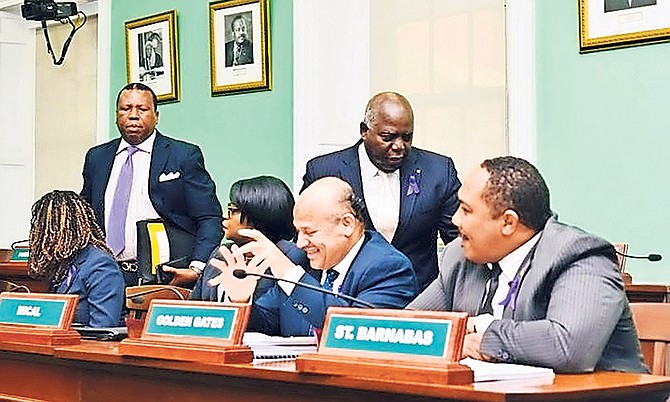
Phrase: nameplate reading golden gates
(192, 331)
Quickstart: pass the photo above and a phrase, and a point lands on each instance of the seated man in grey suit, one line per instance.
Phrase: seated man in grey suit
(538, 292)
(354, 262)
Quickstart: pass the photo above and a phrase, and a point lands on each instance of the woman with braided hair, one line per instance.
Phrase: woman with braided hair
(68, 248)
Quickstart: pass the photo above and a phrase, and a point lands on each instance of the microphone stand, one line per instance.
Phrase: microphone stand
(241, 274)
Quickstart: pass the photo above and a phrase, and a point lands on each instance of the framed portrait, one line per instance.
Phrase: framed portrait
(151, 54)
(607, 24)
(239, 46)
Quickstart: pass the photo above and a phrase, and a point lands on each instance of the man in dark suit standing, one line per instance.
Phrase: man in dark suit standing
(240, 50)
(146, 175)
(410, 193)
(348, 259)
(539, 292)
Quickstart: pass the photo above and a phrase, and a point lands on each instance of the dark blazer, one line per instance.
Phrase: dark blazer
(204, 291)
(100, 286)
(571, 310)
(422, 215)
(188, 202)
(379, 274)
(246, 53)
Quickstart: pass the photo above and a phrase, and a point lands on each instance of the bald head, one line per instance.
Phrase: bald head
(387, 104)
(328, 221)
(387, 130)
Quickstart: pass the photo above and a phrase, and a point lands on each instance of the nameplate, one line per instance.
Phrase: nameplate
(403, 345)
(401, 336)
(196, 321)
(40, 310)
(20, 254)
(192, 331)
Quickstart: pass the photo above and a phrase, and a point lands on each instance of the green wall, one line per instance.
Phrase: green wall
(241, 135)
(603, 140)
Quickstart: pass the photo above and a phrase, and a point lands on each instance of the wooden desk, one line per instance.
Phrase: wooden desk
(94, 371)
(17, 272)
(648, 293)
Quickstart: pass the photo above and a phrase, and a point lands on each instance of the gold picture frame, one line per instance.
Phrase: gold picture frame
(609, 24)
(239, 46)
(151, 54)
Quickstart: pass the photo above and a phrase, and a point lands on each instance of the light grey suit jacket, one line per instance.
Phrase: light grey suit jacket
(571, 310)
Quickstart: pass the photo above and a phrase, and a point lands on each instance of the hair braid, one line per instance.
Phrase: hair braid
(62, 225)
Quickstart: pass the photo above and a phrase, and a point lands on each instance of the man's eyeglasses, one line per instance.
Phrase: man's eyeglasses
(232, 210)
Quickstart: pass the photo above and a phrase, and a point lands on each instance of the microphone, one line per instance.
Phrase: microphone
(241, 274)
(651, 257)
(15, 286)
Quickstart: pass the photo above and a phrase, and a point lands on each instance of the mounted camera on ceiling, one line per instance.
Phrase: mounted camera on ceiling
(44, 10)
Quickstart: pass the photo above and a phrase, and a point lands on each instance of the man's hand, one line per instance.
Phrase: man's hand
(265, 253)
(182, 276)
(237, 290)
(471, 347)
(470, 327)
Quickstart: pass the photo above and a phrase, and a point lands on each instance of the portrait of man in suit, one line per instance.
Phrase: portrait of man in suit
(144, 174)
(409, 193)
(617, 5)
(348, 259)
(239, 50)
(538, 292)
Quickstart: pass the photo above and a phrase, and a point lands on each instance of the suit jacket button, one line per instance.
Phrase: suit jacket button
(299, 306)
(295, 304)
(305, 310)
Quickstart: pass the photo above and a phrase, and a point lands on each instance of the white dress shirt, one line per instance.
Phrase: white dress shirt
(342, 267)
(509, 265)
(139, 206)
(384, 208)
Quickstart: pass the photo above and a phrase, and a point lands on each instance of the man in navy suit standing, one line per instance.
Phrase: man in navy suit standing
(349, 260)
(146, 175)
(410, 193)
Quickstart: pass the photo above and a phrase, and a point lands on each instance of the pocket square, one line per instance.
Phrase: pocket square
(163, 177)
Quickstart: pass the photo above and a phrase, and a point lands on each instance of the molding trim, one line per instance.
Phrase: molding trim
(521, 108)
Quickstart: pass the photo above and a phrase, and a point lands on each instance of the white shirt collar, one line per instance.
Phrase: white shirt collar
(343, 266)
(511, 263)
(368, 169)
(146, 145)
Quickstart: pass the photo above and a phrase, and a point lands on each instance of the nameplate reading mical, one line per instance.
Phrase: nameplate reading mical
(184, 320)
(32, 311)
(402, 336)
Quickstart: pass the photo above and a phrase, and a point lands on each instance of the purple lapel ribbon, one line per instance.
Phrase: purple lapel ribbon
(413, 187)
(512, 293)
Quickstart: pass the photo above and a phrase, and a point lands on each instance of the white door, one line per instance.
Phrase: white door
(17, 105)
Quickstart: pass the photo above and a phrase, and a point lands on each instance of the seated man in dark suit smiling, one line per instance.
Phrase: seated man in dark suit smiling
(355, 262)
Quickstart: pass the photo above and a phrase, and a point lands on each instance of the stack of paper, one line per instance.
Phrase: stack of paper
(277, 347)
(487, 371)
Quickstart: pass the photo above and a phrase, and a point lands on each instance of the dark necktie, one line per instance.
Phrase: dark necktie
(494, 276)
(331, 275)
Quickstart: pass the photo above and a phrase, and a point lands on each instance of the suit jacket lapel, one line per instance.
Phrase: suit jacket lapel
(408, 202)
(159, 158)
(106, 162)
(350, 170)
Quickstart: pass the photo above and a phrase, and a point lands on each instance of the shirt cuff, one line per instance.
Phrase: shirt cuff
(482, 322)
(197, 267)
(294, 274)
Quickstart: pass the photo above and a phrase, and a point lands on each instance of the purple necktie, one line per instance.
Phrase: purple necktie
(116, 230)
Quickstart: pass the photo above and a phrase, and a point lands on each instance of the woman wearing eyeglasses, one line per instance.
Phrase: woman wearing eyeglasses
(264, 203)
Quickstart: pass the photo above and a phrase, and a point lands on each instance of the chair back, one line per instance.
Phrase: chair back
(652, 321)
